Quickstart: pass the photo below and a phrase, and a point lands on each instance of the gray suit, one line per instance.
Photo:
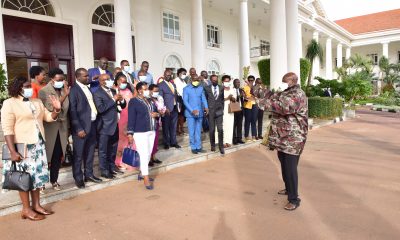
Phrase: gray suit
(216, 113)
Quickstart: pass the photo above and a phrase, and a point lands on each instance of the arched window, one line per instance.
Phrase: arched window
(173, 63)
(213, 68)
(42, 7)
(104, 15)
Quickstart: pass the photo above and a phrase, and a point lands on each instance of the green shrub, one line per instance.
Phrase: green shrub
(305, 68)
(264, 68)
(325, 107)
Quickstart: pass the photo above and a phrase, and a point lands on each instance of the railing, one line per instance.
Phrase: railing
(259, 52)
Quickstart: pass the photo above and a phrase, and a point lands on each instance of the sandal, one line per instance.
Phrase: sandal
(283, 192)
(291, 206)
(56, 186)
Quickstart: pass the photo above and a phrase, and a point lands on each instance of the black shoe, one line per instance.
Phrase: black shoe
(108, 176)
(157, 161)
(80, 184)
(176, 146)
(151, 163)
(166, 147)
(222, 150)
(235, 143)
(117, 172)
(201, 151)
(212, 149)
(241, 142)
(195, 152)
(93, 179)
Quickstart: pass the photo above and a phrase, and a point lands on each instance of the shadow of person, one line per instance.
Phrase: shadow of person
(222, 231)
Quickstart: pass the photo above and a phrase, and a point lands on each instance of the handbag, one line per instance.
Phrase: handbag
(20, 147)
(17, 180)
(234, 107)
(68, 158)
(131, 157)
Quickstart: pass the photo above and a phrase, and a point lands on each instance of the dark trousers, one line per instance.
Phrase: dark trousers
(108, 151)
(216, 122)
(260, 118)
(55, 163)
(289, 174)
(250, 119)
(237, 127)
(169, 125)
(84, 153)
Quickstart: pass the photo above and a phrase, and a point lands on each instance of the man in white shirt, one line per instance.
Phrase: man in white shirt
(94, 73)
(180, 82)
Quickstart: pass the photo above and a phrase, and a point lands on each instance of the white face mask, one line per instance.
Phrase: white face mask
(146, 93)
(227, 84)
(109, 83)
(142, 78)
(155, 94)
(27, 92)
(184, 76)
(58, 85)
(284, 86)
(127, 68)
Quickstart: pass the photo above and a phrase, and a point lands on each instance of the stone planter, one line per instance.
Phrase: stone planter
(349, 113)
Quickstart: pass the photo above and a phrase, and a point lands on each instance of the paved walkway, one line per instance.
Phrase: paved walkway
(349, 185)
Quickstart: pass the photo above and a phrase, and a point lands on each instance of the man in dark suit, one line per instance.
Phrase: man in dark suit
(83, 115)
(94, 73)
(238, 116)
(106, 100)
(215, 98)
(169, 121)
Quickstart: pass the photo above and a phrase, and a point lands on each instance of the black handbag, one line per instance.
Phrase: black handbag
(17, 180)
(68, 157)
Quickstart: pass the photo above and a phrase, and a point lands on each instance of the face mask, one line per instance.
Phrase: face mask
(168, 78)
(58, 85)
(146, 93)
(215, 84)
(284, 86)
(155, 94)
(122, 86)
(184, 76)
(227, 84)
(27, 92)
(142, 78)
(127, 68)
(109, 83)
(196, 83)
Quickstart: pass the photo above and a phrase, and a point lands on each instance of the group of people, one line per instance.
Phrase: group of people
(113, 111)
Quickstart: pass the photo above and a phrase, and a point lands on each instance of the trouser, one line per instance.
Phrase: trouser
(84, 153)
(108, 146)
(169, 125)
(181, 122)
(237, 126)
(155, 146)
(216, 122)
(144, 144)
(260, 119)
(289, 174)
(55, 163)
(250, 119)
(194, 127)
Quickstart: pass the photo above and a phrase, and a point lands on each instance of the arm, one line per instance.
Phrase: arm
(73, 112)
(204, 100)
(131, 117)
(282, 104)
(186, 100)
(101, 104)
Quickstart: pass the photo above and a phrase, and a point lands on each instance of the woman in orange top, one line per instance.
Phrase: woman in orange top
(38, 76)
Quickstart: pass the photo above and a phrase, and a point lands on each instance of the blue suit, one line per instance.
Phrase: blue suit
(194, 99)
(169, 121)
(94, 84)
(80, 117)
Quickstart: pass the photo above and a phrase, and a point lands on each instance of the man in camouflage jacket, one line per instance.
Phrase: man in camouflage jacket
(288, 133)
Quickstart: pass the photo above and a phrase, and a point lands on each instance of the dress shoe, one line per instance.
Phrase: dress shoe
(151, 163)
(157, 161)
(241, 142)
(212, 149)
(176, 146)
(222, 150)
(201, 151)
(195, 152)
(166, 147)
(93, 179)
(80, 184)
(108, 176)
(117, 172)
(150, 187)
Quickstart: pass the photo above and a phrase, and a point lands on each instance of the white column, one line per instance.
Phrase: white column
(339, 55)
(197, 36)
(278, 43)
(348, 53)
(301, 39)
(123, 31)
(385, 49)
(244, 36)
(3, 59)
(328, 59)
(316, 62)
(293, 36)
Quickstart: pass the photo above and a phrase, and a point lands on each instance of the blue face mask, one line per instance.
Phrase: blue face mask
(27, 92)
(58, 85)
(123, 86)
(109, 83)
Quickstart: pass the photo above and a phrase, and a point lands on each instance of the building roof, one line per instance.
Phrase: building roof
(381, 21)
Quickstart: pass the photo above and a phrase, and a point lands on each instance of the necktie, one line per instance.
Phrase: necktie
(215, 93)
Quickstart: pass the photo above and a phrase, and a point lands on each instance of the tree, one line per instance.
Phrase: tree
(314, 50)
(390, 73)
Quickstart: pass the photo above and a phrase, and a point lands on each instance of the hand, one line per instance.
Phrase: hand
(118, 97)
(66, 88)
(55, 103)
(167, 112)
(155, 115)
(195, 112)
(206, 111)
(130, 139)
(135, 82)
(15, 157)
(82, 134)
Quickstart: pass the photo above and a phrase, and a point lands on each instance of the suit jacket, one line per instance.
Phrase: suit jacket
(214, 105)
(60, 126)
(80, 113)
(170, 97)
(194, 99)
(94, 84)
(107, 111)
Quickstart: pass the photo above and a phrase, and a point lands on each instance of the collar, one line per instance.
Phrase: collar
(81, 84)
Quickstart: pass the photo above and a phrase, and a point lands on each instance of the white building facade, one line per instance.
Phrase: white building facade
(220, 36)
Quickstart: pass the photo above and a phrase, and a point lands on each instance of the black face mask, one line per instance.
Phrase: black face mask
(215, 84)
(168, 78)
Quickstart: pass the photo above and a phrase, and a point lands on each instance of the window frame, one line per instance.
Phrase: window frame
(210, 71)
(219, 36)
(174, 14)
